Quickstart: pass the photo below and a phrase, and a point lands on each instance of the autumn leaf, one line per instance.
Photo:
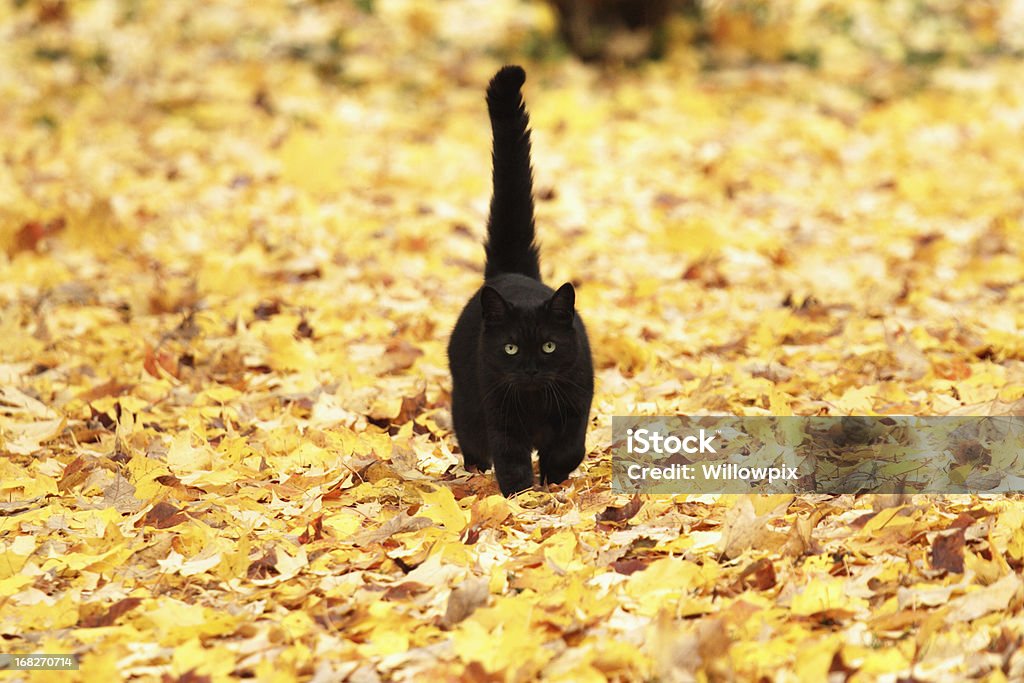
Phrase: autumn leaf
(234, 238)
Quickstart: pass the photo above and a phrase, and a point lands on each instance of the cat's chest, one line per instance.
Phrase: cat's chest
(538, 415)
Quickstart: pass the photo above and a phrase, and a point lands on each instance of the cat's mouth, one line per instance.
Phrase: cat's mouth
(532, 383)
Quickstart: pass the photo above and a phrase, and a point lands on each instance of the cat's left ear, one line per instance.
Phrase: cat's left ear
(494, 306)
(562, 304)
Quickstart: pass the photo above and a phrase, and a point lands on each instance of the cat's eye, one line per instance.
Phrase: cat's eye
(548, 347)
(511, 349)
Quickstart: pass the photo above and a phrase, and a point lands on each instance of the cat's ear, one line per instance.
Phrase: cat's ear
(494, 306)
(562, 304)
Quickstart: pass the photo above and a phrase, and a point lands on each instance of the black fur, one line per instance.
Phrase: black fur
(505, 405)
(510, 246)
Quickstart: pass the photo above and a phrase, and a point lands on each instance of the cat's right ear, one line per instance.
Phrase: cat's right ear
(494, 306)
(562, 305)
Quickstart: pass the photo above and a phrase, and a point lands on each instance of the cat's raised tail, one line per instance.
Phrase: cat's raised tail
(510, 228)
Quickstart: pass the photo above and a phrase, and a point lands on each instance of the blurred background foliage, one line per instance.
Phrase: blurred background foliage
(355, 40)
(218, 62)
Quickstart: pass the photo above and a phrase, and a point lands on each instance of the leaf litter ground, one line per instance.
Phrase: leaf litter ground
(229, 277)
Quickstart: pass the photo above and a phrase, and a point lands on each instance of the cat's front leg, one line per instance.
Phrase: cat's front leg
(512, 465)
(470, 430)
(564, 452)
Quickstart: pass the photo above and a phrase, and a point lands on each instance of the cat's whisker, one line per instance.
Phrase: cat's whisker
(549, 397)
(505, 399)
(552, 390)
(519, 412)
(495, 388)
(559, 395)
(575, 385)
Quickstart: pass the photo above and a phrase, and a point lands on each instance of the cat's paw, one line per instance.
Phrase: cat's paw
(512, 486)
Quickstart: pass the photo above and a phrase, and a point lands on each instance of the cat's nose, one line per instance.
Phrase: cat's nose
(531, 371)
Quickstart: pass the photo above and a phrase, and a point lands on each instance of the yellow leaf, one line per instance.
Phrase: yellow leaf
(440, 505)
(665, 580)
(823, 595)
(192, 657)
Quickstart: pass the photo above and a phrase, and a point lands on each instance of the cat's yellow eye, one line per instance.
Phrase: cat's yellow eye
(511, 349)
(548, 347)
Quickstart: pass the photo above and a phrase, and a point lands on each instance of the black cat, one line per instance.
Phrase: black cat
(522, 377)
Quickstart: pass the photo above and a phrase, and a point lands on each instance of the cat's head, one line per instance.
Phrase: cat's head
(529, 346)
